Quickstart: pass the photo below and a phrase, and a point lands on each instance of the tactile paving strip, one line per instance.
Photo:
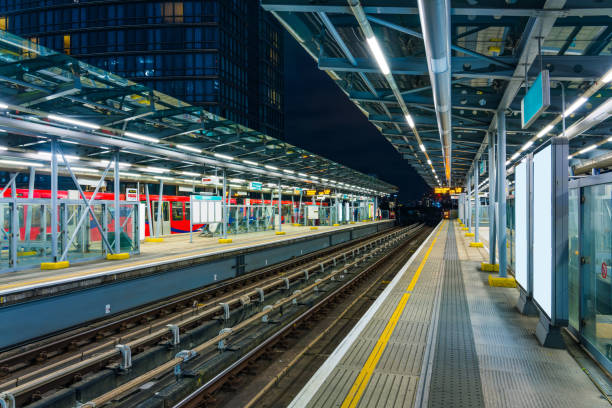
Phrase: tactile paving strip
(455, 378)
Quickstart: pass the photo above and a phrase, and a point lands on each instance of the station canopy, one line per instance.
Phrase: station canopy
(93, 114)
(490, 45)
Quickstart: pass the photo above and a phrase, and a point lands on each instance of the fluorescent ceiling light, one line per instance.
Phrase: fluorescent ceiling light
(235, 186)
(3, 106)
(302, 175)
(190, 173)
(74, 122)
(514, 156)
(409, 120)
(587, 149)
(223, 156)
(378, 54)
(237, 180)
(250, 162)
(526, 145)
(141, 137)
(544, 131)
(422, 146)
(267, 166)
(606, 78)
(610, 139)
(314, 177)
(3, 148)
(128, 174)
(428, 161)
(189, 148)
(47, 156)
(21, 163)
(84, 169)
(288, 171)
(579, 102)
(155, 170)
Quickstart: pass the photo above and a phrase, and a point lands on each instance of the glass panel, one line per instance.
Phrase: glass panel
(574, 258)
(597, 254)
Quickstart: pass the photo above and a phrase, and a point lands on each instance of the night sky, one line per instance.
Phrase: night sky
(320, 118)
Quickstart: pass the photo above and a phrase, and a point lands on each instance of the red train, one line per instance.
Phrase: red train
(175, 211)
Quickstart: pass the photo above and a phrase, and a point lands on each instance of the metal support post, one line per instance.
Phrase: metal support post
(224, 207)
(375, 207)
(300, 208)
(501, 194)
(469, 188)
(159, 209)
(476, 204)
(54, 200)
(14, 230)
(29, 210)
(492, 196)
(149, 210)
(279, 207)
(116, 191)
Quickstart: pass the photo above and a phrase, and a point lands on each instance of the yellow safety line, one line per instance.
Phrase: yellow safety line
(360, 384)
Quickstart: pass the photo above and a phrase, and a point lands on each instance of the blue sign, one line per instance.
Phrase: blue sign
(255, 185)
(536, 101)
(205, 198)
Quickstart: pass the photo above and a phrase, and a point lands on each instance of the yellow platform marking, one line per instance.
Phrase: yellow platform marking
(153, 239)
(507, 282)
(476, 245)
(487, 267)
(26, 253)
(314, 228)
(117, 257)
(47, 266)
(280, 233)
(360, 384)
(226, 240)
(469, 234)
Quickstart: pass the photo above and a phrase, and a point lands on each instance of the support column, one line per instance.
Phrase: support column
(280, 211)
(54, 215)
(492, 196)
(117, 192)
(476, 206)
(30, 209)
(224, 212)
(159, 209)
(501, 194)
(469, 205)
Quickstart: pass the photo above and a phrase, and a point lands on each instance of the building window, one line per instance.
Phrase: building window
(67, 44)
(172, 12)
(3, 23)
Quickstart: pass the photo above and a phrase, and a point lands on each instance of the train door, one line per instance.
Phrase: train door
(165, 217)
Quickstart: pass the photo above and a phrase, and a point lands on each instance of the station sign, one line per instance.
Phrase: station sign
(311, 192)
(255, 186)
(131, 194)
(210, 180)
(447, 190)
(536, 101)
(483, 167)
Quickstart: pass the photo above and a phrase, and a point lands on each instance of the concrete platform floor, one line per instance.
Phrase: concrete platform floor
(174, 247)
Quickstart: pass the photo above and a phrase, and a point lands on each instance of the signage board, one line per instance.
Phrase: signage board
(210, 180)
(483, 167)
(205, 209)
(536, 101)
(255, 186)
(313, 212)
(311, 192)
(131, 194)
(186, 189)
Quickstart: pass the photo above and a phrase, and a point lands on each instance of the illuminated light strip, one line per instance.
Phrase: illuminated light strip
(189, 148)
(252, 163)
(141, 137)
(73, 122)
(378, 55)
(223, 156)
(20, 163)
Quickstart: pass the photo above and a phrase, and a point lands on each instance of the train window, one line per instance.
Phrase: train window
(177, 211)
(187, 211)
(166, 211)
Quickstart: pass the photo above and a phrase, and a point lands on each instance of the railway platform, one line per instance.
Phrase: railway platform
(95, 290)
(439, 336)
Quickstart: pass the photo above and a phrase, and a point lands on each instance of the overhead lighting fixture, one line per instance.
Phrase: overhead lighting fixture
(610, 139)
(21, 163)
(128, 174)
(288, 171)
(578, 103)
(47, 156)
(189, 148)
(422, 146)
(155, 170)
(544, 131)
(302, 175)
(223, 156)
(606, 78)
(141, 137)
(514, 156)
(378, 55)
(587, 149)
(428, 161)
(84, 169)
(190, 173)
(250, 162)
(3, 105)
(267, 166)
(409, 120)
(237, 180)
(74, 122)
(3, 148)
(526, 145)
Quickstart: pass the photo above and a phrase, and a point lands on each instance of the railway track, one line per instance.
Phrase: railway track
(35, 372)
